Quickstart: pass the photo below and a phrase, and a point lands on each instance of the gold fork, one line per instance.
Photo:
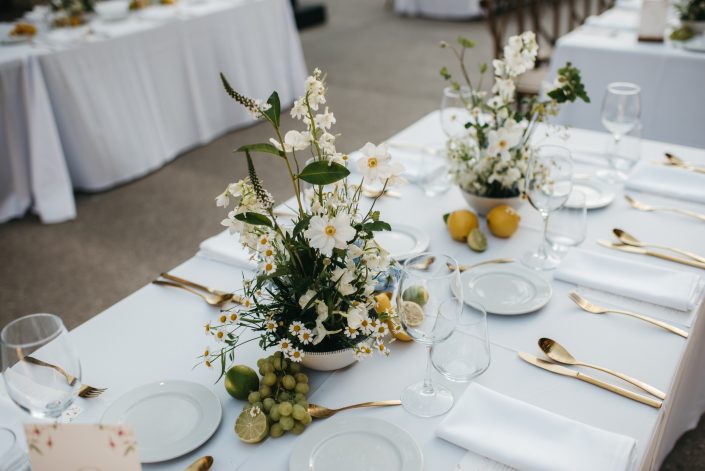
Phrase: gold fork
(462, 268)
(645, 207)
(321, 412)
(212, 299)
(86, 391)
(224, 294)
(586, 305)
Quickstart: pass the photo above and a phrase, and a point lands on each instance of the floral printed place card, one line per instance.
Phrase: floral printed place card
(82, 447)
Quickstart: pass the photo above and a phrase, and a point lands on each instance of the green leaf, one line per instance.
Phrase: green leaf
(274, 110)
(444, 73)
(483, 68)
(300, 226)
(376, 226)
(445, 217)
(255, 219)
(262, 147)
(323, 173)
(465, 42)
(374, 215)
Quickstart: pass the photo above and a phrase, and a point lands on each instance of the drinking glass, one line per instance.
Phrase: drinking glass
(455, 111)
(12, 458)
(466, 353)
(549, 182)
(429, 302)
(621, 110)
(42, 391)
(567, 226)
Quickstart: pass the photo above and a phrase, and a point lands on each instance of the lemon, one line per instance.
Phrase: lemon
(399, 333)
(412, 312)
(384, 305)
(460, 223)
(503, 221)
(416, 294)
(251, 425)
(477, 240)
(240, 381)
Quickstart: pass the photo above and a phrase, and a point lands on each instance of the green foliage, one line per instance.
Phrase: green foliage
(571, 87)
(466, 43)
(444, 73)
(323, 173)
(691, 10)
(274, 111)
(255, 219)
(263, 147)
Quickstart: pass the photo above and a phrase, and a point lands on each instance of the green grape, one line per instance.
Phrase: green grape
(301, 378)
(288, 382)
(298, 412)
(274, 413)
(306, 419)
(294, 367)
(270, 379)
(261, 362)
(268, 403)
(287, 423)
(278, 364)
(285, 364)
(298, 397)
(265, 391)
(285, 409)
(298, 428)
(268, 367)
(302, 388)
(303, 404)
(276, 431)
(254, 396)
(278, 355)
(283, 396)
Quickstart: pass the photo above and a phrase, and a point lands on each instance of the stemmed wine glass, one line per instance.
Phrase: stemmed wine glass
(621, 110)
(549, 182)
(429, 303)
(454, 111)
(40, 389)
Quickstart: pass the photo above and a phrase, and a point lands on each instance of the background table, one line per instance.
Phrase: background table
(441, 9)
(670, 78)
(135, 95)
(157, 333)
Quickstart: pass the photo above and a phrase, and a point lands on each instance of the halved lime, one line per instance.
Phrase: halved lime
(477, 240)
(251, 425)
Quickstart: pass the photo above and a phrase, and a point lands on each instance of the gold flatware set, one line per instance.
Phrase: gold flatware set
(648, 208)
(86, 391)
(462, 268)
(674, 161)
(211, 296)
(630, 244)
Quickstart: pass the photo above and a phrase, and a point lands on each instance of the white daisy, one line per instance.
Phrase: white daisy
(376, 163)
(326, 234)
(296, 355)
(305, 336)
(285, 345)
(270, 325)
(296, 327)
(351, 332)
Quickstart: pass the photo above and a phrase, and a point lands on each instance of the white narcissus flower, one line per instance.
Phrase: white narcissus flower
(326, 234)
(376, 163)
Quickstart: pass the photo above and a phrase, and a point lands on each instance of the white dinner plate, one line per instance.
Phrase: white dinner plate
(598, 194)
(507, 289)
(403, 241)
(170, 418)
(355, 444)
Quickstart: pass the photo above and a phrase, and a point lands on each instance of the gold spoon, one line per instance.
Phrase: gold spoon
(629, 239)
(203, 463)
(212, 299)
(462, 268)
(587, 306)
(677, 162)
(556, 352)
(645, 207)
(320, 412)
(423, 264)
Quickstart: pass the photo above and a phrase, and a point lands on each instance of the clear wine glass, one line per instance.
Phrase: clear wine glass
(549, 182)
(429, 302)
(43, 391)
(466, 353)
(567, 226)
(455, 111)
(621, 110)
(12, 457)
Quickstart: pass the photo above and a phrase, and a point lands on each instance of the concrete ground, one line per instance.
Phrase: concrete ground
(382, 75)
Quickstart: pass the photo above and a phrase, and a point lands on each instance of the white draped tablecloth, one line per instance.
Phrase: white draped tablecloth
(95, 113)
(440, 9)
(671, 78)
(157, 333)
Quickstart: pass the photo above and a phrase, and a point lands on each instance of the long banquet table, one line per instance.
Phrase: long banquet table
(93, 113)
(606, 50)
(156, 334)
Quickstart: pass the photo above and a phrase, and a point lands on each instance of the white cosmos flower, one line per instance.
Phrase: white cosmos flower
(502, 140)
(376, 163)
(293, 140)
(344, 279)
(325, 234)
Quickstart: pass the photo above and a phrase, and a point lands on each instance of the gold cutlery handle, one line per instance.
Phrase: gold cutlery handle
(671, 258)
(462, 268)
(621, 391)
(686, 212)
(69, 378)
(653, 321)
(681, 251)
(639, 384)
(177, 285)
(193, 284)
(392, 402)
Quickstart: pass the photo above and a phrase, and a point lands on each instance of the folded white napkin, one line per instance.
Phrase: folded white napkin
(671, 182)
(417, 164)
(529, 438)
(658, 285)
(226, 248)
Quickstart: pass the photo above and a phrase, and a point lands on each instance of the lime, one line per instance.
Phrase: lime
(477, 240)
(240, 381)
(251, 425)
(416, 294)
(412, 313)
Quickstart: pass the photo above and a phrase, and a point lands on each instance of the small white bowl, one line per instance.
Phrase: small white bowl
(112, 10)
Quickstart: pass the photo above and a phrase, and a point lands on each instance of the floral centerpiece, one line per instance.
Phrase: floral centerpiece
(491, 160)
(315, 283)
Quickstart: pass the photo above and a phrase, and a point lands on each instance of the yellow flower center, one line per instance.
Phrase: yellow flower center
(268, 267)
(220, 334)
(296, 354)
(233, 317)
(502, 144)
(297, 328)
(268, 252)
(330, 231)
(372, 162)
(223, 319)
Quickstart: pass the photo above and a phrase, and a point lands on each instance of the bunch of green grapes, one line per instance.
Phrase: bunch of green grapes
(282, 395)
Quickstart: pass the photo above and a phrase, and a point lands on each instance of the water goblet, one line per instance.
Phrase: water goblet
(567, 226)
(621, 110)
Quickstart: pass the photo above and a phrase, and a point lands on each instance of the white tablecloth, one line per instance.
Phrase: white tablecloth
(135, 95)
(157, 333)
(672, 95)
(441, 9)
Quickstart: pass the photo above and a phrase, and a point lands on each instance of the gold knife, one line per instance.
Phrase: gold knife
(652, 253)
(561, 370)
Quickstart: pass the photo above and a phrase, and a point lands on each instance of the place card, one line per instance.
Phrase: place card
(85, 447)
(653, 20)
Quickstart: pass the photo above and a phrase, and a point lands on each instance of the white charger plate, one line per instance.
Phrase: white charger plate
(355, 444)
(598, 194)
(403, 241)
(170, 418)
(507, 289)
